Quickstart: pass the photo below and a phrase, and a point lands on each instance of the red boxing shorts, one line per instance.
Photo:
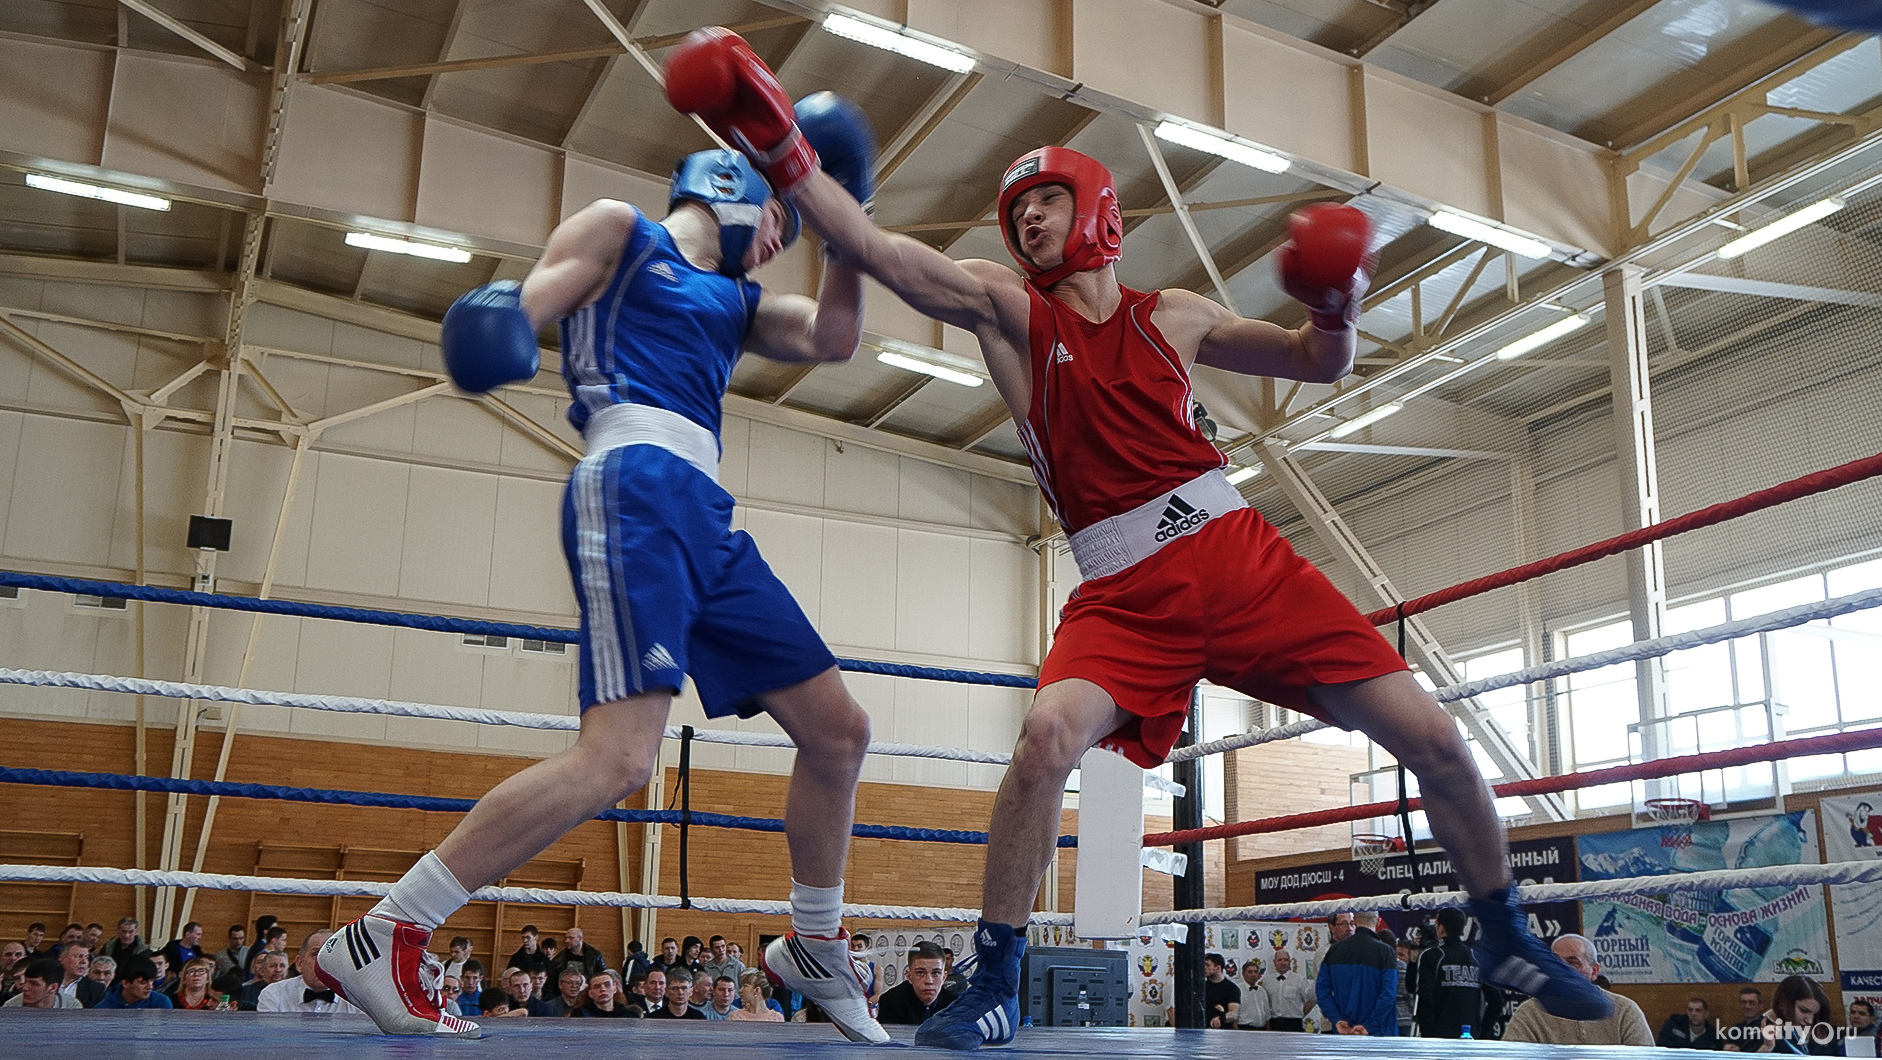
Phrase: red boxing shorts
(1231, 603)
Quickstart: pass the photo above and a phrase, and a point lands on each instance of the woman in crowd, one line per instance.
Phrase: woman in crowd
(192, 990)
(754, 1000)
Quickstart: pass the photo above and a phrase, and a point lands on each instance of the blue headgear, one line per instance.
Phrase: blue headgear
(736, 194)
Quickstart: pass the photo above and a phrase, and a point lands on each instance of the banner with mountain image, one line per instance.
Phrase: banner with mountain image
(1746, 934)
(1852, 831)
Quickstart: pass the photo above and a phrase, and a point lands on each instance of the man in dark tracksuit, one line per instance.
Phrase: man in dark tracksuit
(1450, 990)
(1358, 983)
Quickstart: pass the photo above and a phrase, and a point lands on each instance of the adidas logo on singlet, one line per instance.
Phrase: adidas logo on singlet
(1179, 518)
(664, 271)
(1061, 355)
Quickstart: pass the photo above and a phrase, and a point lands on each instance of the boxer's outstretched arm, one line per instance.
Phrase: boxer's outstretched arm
(790, 327)
(957, 293)
(1256, 347)
(579, 258)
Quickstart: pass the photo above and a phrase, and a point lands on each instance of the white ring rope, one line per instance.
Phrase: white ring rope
(1776, 876)
(1645, 649)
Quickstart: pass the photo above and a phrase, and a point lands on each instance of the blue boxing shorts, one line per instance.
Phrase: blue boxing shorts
(667, 588)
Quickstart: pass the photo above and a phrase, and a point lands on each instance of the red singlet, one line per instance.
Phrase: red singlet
(1110, 425)
(1110, 429)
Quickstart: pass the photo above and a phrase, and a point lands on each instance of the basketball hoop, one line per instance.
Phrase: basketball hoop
(1371, 850)
(1676, 811)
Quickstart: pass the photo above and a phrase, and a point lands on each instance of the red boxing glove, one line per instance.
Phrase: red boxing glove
(713, 73)
(1325, 265)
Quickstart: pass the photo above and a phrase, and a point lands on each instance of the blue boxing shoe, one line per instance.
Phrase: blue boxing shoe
(989, 1011)
(1510, 956)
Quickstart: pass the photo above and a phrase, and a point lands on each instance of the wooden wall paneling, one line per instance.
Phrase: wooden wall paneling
(22, 904)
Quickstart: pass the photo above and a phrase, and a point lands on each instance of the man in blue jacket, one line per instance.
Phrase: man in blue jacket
(1358, 983)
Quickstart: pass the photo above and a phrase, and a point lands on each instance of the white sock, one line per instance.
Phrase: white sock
(424, 896)
(816, 910)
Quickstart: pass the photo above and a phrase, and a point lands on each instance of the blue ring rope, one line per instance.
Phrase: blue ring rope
(437, 624)
(228, 789)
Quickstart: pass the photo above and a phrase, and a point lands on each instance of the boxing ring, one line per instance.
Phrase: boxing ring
(154, 1033)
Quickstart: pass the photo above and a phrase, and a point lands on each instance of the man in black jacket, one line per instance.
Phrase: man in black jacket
(1450, 988)
(1692, 1029)
(922, 992)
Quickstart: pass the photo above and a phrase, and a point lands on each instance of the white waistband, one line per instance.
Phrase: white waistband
(1117, 543)
(625, 424)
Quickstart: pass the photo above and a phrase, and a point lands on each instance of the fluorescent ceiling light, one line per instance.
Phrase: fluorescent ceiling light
(913, 364)
(406, 246)
(1217, 144)
(1365, 419)
(1782, 227)
(1541, 338)
(1502, 238)
(1243, 474)
(899, 43)
(93, 191)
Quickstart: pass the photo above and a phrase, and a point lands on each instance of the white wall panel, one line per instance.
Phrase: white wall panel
(860, 569)
(457, 430)
(258, 480)
(786, 465)
(935, 494)
(932, 610)
(527, 571)
(49, 519)
(863, 480)
(449, 525)
(12, 424)
(1002, 605)
(359, 516)
(933, 713)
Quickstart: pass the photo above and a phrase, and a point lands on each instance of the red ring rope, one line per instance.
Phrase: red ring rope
(1817, 482)
(1834, 743)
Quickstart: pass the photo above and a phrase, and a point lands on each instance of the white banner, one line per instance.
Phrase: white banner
(1852, 831)
(1153, 960)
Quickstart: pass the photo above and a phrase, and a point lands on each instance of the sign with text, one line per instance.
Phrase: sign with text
(1852, 831)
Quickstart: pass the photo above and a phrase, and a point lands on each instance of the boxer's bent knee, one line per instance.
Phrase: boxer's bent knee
(1066, 719)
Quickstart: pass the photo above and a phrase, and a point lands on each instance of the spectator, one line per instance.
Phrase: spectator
(636, 963)
(922, 992)
(36, 933)
(1358, 983)
(471, 982)
(721, 1000)
(679, 989)
(669, 958)
(12, 955)
(1798, 1009)
(1861, 1018)
(530, 957)
(1222, 999)
(460, 953)
(572, 990)
(166, 978)
(98, 979)
(126, 943)
(495, 1004)
(39, 985)
(185, 948)
(604, 999)
(72, 933)
(539, 988)
(690, 950)
(137, 980)
(720, 963)
(451, 991)
(754, 1000)
(522, 992)
(737, 953)
(653, 990)
(74, 962)
(577, 953)
(1627, 1025)
(1291, 994)
(1691, 1029)
(274, 939)
(701, 993)
(1450, 985)
(1339, 928)
(192, 991)
(1257, 1003)
(230, 960)
(94, 934)
(955, 981)
(859, 950)
(270, 969)
(304, 992)
(1750, 1025)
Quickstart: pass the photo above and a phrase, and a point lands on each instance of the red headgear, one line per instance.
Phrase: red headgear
(1097, 235)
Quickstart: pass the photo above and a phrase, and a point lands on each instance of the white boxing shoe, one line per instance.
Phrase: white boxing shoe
(381, 966)
(822, 970)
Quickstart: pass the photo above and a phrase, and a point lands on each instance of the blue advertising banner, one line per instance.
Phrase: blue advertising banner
(1750, 934)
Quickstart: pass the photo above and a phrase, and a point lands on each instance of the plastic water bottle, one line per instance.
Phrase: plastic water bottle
(1737, 955)
(1464, 1034)
(226, 1006)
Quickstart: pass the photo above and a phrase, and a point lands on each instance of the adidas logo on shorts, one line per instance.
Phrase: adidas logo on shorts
(664, 271)
(1179, 518)
(658, 658)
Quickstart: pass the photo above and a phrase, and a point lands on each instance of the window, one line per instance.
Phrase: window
(100, 603)
(545, 647)
(486, 640)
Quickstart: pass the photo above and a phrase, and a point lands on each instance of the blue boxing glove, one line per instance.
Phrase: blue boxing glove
(487, 338)
(844, 140)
